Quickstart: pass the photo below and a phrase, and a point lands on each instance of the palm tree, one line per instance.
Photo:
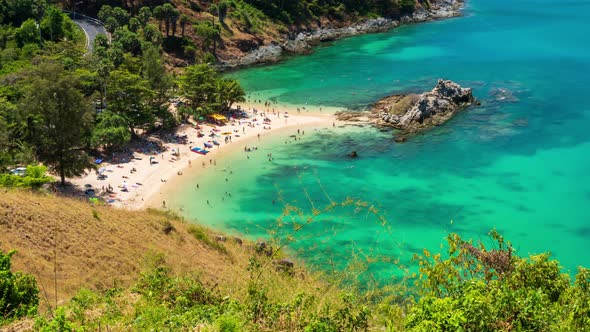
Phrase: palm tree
(159, 15)
(184, 19)
(168, 12)
(174, 15)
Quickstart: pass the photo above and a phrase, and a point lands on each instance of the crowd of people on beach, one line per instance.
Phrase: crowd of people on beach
(120, 174)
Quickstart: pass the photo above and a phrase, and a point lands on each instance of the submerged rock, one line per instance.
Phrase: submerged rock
(414, 113)
(503, 95)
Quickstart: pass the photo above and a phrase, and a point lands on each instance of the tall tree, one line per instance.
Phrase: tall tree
(105, 12)
(167, 10)
(210, 35)
(159, 15)
(198, 85)
(145, 13)
(154, 73)
(28, 33)
(229, 92)
(64, 120)
(110, 131)
(134, 24)
(174, 15)
(152, 34)
(222, 11)
(184, 20)
(52, 24)
(111, 24)
(127, 96)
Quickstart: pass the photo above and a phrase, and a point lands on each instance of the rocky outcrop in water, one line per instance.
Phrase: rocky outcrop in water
(415, 113)
(301, 42)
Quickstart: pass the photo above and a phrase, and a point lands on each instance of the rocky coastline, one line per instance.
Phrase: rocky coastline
(415, 113)
(302, 42)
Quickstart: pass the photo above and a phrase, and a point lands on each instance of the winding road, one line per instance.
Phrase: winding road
(92, 27)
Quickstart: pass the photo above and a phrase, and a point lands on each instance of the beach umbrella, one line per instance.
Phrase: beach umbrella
(98, 161)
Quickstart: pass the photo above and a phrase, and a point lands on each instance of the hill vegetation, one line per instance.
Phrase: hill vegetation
(150, 270)
(228, 28)
(93, 266)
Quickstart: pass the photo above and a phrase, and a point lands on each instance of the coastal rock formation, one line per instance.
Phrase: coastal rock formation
(414, 113)
(263, 54)
(302, 41)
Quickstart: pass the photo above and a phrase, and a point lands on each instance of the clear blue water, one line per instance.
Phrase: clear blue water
(521, 165)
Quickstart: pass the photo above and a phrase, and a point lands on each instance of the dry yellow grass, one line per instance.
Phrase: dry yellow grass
(95, 252)
(96, 247)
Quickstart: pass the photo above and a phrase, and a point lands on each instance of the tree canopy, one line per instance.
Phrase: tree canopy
(61, 118)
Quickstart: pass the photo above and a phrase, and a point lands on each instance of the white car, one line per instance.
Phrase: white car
(20, 171)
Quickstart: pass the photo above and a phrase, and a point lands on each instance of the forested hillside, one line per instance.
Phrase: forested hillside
(229, 28)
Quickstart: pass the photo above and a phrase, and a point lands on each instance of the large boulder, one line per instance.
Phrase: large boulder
(431, 108)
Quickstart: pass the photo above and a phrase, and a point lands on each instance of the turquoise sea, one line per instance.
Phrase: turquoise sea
(520, 163)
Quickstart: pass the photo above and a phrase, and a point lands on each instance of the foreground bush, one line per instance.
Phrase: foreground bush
(19, 294)
(478, 289)
(468, 288)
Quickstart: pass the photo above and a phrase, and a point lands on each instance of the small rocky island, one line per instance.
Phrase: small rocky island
(414, 113)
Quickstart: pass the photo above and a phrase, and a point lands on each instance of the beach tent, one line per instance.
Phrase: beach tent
(218, 117)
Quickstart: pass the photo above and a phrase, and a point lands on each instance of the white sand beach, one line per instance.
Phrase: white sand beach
(134, 178)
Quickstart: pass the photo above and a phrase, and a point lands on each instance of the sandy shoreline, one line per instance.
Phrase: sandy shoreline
(138, 183)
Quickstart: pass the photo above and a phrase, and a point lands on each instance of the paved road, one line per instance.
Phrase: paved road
(90, 26)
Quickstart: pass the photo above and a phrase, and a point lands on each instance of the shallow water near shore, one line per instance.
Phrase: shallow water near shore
(519, 163)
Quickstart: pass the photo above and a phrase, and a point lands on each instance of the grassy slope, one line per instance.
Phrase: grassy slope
(95, 253)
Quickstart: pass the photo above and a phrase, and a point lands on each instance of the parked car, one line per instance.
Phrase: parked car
(20, 171)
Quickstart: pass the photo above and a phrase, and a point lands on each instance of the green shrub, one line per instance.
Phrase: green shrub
(58, 323)
(81, 302)
(19, 294)
(200, 234)
(480, 289)
(228, 323)
(35, 177)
